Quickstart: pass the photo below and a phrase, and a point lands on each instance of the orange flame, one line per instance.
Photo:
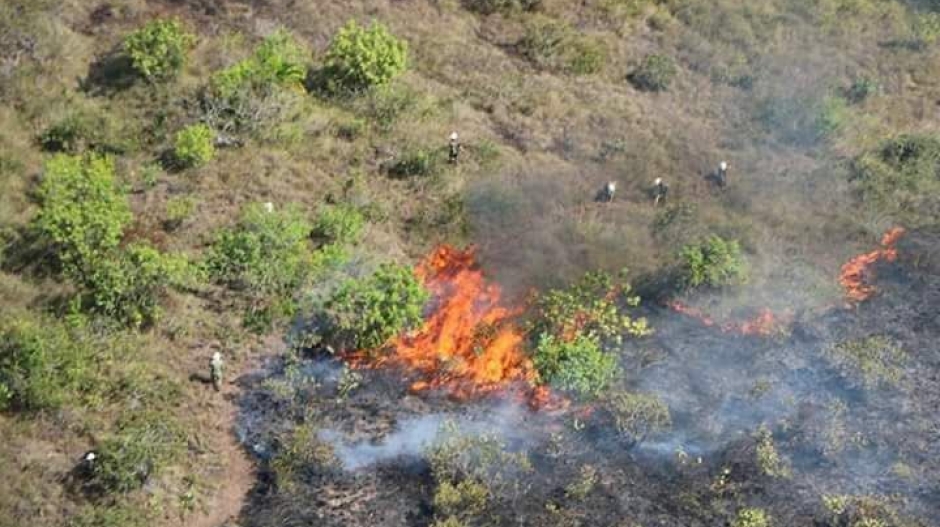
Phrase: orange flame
(469, 345)
(764, 324)
(857, 272)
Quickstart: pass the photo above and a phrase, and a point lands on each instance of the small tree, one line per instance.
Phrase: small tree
(338, 224)
(655, 73)
(715, 262)
(82, 212)
(365, 313)
(360, 58)
(578, 366)
(279, 61)
(158, 50)
(194, 146)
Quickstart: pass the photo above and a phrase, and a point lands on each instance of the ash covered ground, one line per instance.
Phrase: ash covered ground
(337, 449)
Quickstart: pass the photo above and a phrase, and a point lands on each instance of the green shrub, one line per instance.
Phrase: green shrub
(468, 497)
(339, 224)
(44, 364)
(751, 518)
(831, 116)
(99, 515)
(585, 56)
(178, 210)
(715, 262)
(138, 451)
(129, 285)
(360, 58)
(416, 162)
(927, 28)
(861, 89)
(83, 129)
(158, 50)
(543, 40)
(578, 365)
(267, 253)
(768, 459)
(873, 360)
(655, 73)
(365, 313)
(279, 61)
(82, 212)
(194, 146)
(636, 416)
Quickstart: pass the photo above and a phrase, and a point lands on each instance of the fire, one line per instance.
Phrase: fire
(857, 272)
(469, 345)
(765, 323)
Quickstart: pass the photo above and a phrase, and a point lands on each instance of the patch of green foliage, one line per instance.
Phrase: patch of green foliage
(178, 210)
(636, 415)
(416, 162)
(571, 327)
(715, 262)
(927, 28)
(267, 253)
(340, 224)
(129, 286)
(194, 146)
(655, 73)
(44, 364)
(751, 517)
(363, 57)
(768, 459)
(902, 178)
(84, 129)
(861, 511)
(861, 89)
(300, 450)
(139, 449)
(97, 515)
(279, 61)
(158, 50)
(554, 45)
(875, 360)
(82, 211)
(365, 313)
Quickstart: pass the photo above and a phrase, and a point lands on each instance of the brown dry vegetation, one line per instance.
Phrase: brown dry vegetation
(752, 78)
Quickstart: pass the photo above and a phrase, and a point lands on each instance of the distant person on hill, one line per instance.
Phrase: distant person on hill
(722, 174)
(606, 194)
(215, 370)
(454, 148)
(660, 189)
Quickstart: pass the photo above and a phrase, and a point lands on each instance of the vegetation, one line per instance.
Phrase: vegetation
(141, 448)
(194, 146)
(489, 7)
(364, 57)
(751, 518)
(339, 224)
(553, 45)
(158, 50)
(637, 416)
(714, 263)
(768, 459)
(365, 313)
(578, 365)
(873, 360)
(655, 73)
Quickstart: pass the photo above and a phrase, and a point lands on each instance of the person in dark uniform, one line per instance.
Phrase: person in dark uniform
(660, 189)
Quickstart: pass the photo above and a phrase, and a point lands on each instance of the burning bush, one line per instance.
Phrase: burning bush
(714, 262)
(366, 313)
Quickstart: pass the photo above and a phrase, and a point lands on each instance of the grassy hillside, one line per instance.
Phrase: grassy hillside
(827, 112)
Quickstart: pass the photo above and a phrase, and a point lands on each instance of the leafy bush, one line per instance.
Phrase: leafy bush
(365, 313)
(96, 515)
(751, 518)
(489, 7)
(831, 116)
(655, 73)
(637, 415)
(339, 224)
(578, 365)
(927, 29)
(279, 61)
(554, 45)
(82, 212)
(138, 451)
(84, 129)
(417, 162)
(129, 285)
(861, 89)
(194, 146)
(360, 57)
(874, 360)
(267, 253)
(715, 262)
(768, 459)
(158, 50)
(44, 364)
(178, 210)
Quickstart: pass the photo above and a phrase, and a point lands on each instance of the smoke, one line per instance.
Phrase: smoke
(412, 436)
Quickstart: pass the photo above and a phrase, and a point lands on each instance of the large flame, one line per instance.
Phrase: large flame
(856, 274)
(469, 344)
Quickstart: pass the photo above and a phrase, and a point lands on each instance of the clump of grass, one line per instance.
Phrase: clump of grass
(655, 73)
(637, 416)
(874, 360)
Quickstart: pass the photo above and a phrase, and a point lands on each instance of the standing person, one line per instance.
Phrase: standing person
(215, 370)
(660, 189)
(454, 148)
(607, 193)
(722, 174)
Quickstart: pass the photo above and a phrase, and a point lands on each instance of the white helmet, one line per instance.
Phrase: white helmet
(658, 181)
(723, 165)
(612, 185)
(453, 136)
(269, 207)
(217, 357)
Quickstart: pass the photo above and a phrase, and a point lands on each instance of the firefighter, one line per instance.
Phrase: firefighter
(454, 148)
(722, 174)
(215, 370)
(660, 189)
(607, 193)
